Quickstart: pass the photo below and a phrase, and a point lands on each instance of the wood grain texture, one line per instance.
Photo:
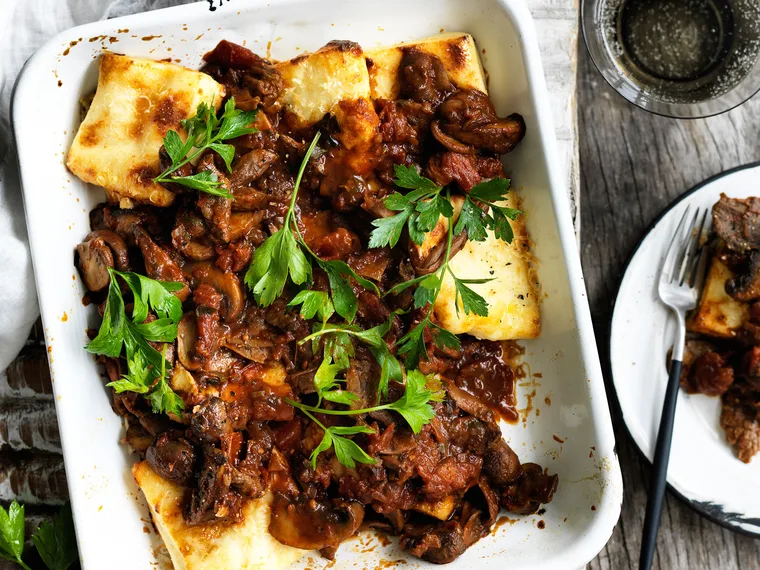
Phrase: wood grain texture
(633, 164)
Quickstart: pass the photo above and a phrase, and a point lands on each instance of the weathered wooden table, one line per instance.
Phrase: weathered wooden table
(631, 166)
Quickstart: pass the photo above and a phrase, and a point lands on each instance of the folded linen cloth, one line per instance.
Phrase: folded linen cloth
(24, 26)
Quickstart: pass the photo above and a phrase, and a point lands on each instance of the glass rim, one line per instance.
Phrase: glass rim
(604, 63)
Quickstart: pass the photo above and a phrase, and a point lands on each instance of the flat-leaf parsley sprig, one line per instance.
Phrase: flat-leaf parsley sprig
(420, 210)
(284, 254)
(414, 406)
(476, 221)
(146, 367)
(338, 348)
(206, 131)
(55, 541)
(412, 344)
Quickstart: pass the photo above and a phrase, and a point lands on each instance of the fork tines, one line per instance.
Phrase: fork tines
(682, 262)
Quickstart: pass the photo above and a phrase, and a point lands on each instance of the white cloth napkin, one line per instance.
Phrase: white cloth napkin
(24, 26)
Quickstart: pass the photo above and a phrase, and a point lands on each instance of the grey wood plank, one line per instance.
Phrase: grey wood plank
(633, 164)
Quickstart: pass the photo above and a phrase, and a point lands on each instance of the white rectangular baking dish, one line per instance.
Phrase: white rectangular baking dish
(566, 424)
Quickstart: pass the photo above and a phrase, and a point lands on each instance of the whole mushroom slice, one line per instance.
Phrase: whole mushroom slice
(187, 335)
(311, 524)
(250, 167)
(100, 250)
(190, 237)
(241, 223)
(226, 283)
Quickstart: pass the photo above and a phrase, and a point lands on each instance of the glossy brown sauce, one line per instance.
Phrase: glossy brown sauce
(487, 371)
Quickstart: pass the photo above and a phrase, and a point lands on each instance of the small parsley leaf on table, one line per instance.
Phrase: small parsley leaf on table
(12, 533)
(56, 542)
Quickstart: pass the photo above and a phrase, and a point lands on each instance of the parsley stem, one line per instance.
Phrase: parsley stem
(308, 414)
(164, 175)
(324, 331)
(305, 409)
(445, 266)
(290, 216)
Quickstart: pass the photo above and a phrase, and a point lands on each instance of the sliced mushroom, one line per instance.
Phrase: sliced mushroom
(226, 283)
(250, 200)
(253, 349)
(190, 237)
(311, 524)
(100, 250)
(250, 167)
(450, 142)
(172, 459)
(241, 223)
(187, 334)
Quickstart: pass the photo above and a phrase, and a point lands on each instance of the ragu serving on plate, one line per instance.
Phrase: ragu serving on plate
(288, 254)
(723, 357)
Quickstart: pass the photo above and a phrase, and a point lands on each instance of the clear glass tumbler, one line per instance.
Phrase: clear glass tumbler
(678, 58)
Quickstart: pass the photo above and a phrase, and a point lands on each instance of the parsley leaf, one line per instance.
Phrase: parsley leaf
(338, 347)
(388, 230)
(491, 190)
(117, 332)
(205, 181)
(56, 541)
(12, 533)
(427, 290)
(419, 209)
(412, 345)
(205, 131)
(154, 294)
(347, 451)
(413, 405)
(472, 302)
(431, 210)
(476, 221)
(313, 303)
(276, 259)
(409, 177)
(328, 387)
(471, 219)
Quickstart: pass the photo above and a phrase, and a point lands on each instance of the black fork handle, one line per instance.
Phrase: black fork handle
(658, 481)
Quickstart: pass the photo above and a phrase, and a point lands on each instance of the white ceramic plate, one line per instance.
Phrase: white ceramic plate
(569, 394)
(703, 469)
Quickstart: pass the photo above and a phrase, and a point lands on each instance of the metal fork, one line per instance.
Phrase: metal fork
(681, 278)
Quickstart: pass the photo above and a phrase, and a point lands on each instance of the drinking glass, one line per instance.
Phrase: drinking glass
(678, 58)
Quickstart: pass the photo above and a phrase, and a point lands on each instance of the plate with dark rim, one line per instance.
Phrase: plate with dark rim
(704, 470)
